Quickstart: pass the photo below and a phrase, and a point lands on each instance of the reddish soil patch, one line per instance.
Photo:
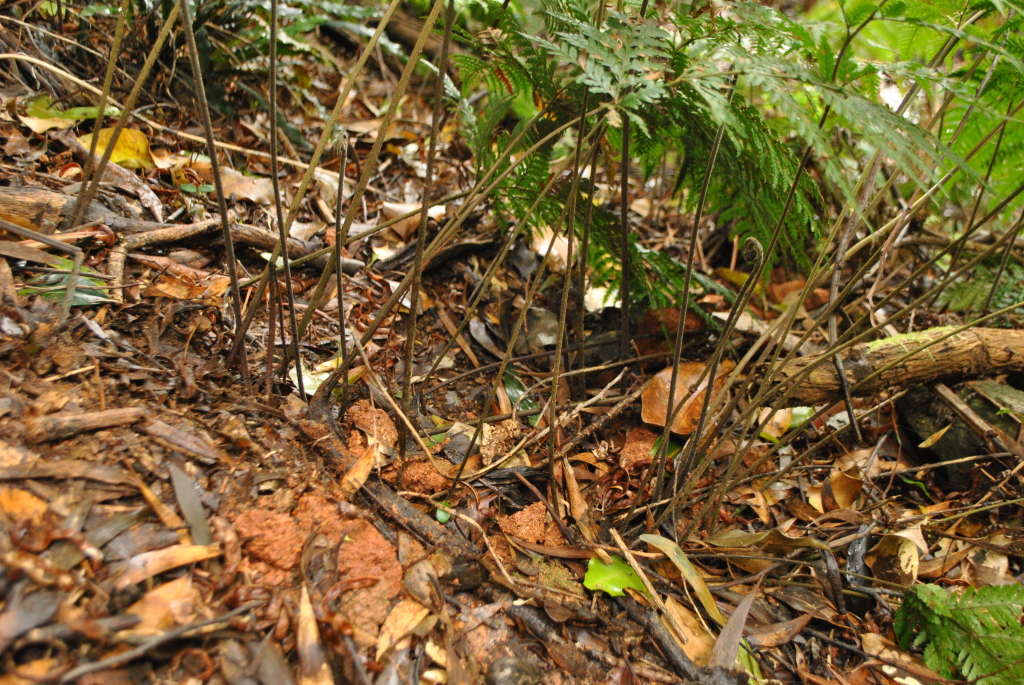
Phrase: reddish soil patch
(419, 476)
(639, 442)
(273, 538)
(373, 421)
(317, 513)
(366, 554)
(528, 524)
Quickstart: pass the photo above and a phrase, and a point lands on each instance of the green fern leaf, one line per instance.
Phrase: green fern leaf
(976, 634)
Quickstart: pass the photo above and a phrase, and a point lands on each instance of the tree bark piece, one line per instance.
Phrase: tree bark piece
(997, 439)
(64, 425)
(973, 352)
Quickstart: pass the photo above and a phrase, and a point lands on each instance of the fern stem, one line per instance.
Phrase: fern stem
(773, 365)
(101, 114)
(279, 213)
(307, 177)
(531, 292)
(786, 388)
(563, 307)
(1015, 231)
(222, 204)
(369, 166)
(449, 231)
(421, 235)
(624, 254)
(442, 239)
(687, 460)
(674, 409)
(87, 194)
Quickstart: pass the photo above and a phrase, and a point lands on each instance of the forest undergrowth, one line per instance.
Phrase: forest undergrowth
(543, 341)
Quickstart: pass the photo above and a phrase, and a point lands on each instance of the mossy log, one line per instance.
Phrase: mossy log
(910, 359)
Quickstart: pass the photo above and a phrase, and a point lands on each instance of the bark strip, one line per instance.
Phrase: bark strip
(970, 353)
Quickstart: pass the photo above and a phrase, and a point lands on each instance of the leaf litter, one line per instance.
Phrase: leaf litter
(163, 522)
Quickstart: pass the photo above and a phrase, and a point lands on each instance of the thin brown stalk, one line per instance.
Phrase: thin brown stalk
(421, 235)
(222, 205)
(275, 181)
(318, 152)
(101, 113)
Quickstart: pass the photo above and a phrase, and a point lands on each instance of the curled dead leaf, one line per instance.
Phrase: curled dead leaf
(655, 404)
(894, 559)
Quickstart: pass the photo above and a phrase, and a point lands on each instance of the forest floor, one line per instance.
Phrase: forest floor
(171, 514)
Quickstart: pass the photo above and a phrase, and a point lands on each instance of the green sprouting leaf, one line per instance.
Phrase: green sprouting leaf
(515, 389)
(674, 446)
(689, 573)
(47, 8)
(442, 515)
(801, 415)
(89, 291)
(196, 190)
(92, 10)
(42, 107)
(917, 484)
(80, 113)
(612, 578)
(311, 380)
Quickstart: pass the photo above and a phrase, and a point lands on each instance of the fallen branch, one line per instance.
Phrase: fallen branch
(970, 353)
(63, 425)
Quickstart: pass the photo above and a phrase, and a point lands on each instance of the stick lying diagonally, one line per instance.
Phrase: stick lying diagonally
(934, 354)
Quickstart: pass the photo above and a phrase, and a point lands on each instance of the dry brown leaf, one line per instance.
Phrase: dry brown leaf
(843, 489)
(894, 559)
(360, 471)
(149, 564)
(753, 498)
(777, 633)
(174, 287)
(20, 504)
(698, 642)
(779, 424)
(41, 125)
(657, 329)
(313, 666)
(131, 150)
(654, 408)
(399, 624)
(981, 575)
(17, 220)
(940, 565)
(407, 227)
(256, 189)
(32, 672)
(909, 665)
(172, 604)
(934, 437)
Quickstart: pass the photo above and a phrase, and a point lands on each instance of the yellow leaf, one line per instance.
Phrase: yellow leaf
(934, 437)
(131, 150)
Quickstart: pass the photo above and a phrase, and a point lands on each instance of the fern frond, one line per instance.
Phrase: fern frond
(976, 633)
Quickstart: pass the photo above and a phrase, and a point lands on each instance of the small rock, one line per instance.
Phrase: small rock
(513, 670)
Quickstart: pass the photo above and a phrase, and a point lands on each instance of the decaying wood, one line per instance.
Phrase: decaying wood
(185, 441)
(65, 424)
(970, 353)
(46, 209)
(998, 440)
(400, 510)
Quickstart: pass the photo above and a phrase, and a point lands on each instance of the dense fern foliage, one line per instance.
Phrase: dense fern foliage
(976, 634)
(971, 295)
(776, 87)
